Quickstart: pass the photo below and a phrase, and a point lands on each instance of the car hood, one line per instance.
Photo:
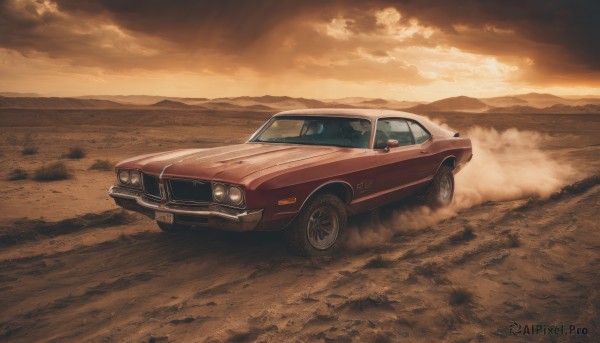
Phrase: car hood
(228, 163)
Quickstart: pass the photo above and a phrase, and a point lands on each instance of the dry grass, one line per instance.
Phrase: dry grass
(102, 165)
(75, 153)
(52, 172)
(512, 240)
(17, 174)
(465, 235)
(32, 229)
(460, 296)
(378, 262)
(368, 301)
(429, 269)
(29, 150)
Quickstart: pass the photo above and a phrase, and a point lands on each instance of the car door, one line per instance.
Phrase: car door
(426, 165)
(398, 166)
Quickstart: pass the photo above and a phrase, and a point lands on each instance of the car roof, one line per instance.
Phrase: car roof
(367, 113)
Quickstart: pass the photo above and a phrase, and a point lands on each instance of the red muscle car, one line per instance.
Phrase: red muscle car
(303, 171)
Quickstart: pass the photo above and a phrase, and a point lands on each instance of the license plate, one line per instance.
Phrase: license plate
(163, 217)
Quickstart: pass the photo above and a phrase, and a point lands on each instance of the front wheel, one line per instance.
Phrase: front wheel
(319, 227)
(441, 191)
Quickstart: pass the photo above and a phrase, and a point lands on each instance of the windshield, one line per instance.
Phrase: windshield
(343, 132)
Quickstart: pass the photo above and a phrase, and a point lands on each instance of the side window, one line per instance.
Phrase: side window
(392, 129)
(418, 132)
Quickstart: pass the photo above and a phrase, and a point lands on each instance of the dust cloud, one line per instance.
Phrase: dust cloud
(506, 165)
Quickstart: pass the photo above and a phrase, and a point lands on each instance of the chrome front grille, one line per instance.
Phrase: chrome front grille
(151, 186)
(190, 190)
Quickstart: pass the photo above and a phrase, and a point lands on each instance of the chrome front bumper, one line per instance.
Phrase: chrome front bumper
(200, 215)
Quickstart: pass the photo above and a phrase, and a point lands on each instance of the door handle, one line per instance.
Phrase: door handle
(423, 151)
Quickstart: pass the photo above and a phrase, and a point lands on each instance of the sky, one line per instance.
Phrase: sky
(406, 50)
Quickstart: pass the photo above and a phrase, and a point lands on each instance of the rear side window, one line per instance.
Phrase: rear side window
(418, 132)
(392, 129)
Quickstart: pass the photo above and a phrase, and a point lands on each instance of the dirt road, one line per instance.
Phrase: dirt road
(74, 268)
(117, 278)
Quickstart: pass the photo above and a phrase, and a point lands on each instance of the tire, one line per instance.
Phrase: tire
(172, 227)
(307, 237)
(441, 191)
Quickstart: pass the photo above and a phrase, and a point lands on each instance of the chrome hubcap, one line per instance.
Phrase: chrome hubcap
(445, 189)
(323, 228)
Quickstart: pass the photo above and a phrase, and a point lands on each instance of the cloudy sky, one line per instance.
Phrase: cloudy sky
(406, 50)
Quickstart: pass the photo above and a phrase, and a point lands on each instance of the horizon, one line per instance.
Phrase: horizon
(35, 95)
(381, 49)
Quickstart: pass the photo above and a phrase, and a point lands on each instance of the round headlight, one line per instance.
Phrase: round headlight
(134, 178)
(219, 192)
(235, 195)
(124, 176)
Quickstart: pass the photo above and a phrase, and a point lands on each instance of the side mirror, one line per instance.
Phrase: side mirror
(391, 143)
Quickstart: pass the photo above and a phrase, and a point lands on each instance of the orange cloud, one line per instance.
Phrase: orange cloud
(422, 48)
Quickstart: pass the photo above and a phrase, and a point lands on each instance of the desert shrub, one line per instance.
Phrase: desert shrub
(378, 262)
(429, 269)
(372, 300)
(512, 240)
(75, 152)
(466, 234)
(103, 165)
(52, 172)
(17, 174)
(29, 150)
(561, 277)
(460, 296)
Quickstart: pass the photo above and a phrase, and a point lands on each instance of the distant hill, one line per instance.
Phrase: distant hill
(460, 103)
(518, 109)
(518, 103)
(375, 102)
(142, 99)
(259, 108)
(223, 104)
(582, 109)
(19, 95)
(539, 100)
(358, 102)
(542, 100)
(348, 100)
(275, 102)
(55, 103)
(171, 104)
(338, 105)
(584, 101)
(270, 99)
(383, 103)
(504, 101)
(457, 103)
(554, 109)
(424, 108)
(213, 105)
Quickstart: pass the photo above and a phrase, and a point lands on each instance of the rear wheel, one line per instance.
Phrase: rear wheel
(319, 227)
(172, 227)
(441, 191)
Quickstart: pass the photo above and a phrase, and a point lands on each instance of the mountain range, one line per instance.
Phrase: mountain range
(521, 104)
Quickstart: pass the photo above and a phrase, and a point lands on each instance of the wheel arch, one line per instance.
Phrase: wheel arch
(339, 188)
(449, 161)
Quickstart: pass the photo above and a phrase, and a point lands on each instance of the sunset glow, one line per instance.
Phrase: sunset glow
(381, 49)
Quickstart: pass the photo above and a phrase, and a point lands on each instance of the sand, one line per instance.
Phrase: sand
(73, 267)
